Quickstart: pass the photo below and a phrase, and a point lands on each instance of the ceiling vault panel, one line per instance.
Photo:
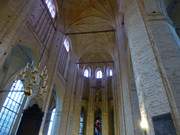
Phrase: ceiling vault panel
(90, 24)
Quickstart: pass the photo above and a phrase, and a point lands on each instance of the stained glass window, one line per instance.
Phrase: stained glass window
(11, 107)
(51, 122)
(51, 6)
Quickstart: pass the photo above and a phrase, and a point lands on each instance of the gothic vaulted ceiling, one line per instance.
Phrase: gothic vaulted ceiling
(90, 26)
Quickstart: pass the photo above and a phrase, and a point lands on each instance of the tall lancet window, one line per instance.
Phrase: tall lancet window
(99, 74)
(11, 107)
(82, 123)
(51, 6)
(51, 122)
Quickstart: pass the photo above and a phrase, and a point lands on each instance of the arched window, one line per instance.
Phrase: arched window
(11, 107)
(66, 44)
(51, 122)
(99, 74)
(51, 6)
(87, 73)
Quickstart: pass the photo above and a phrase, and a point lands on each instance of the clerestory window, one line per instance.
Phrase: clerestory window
(66, 44)
(51, 6)
(99, 74)
(87, 73)
(110, 72)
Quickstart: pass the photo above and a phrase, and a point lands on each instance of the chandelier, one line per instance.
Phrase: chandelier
(34, 79)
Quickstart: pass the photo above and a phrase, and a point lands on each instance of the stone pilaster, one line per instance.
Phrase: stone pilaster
(123, 80)
(105, 127)
(68, 103)
(75, 123)
(72, 105)
(116, 88)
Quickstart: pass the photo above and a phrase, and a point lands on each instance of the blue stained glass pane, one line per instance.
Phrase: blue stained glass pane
(11, 107)
(3, 118)
(14, 106)
(6, 102)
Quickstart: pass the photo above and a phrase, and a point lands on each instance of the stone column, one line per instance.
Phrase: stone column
(90, 113)
(123, 80)
(77, 106)
(68, 102)
(118, 119)
(52, 66)
(166, 45)
(151, 91)
(105, 127)
(72, 104)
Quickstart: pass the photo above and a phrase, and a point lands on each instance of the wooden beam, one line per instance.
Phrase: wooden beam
(98, 62)
(90, 32)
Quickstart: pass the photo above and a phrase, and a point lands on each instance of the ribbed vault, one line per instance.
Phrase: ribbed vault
(90, 25)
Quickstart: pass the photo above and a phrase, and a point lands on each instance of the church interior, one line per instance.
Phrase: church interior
(89, 67)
